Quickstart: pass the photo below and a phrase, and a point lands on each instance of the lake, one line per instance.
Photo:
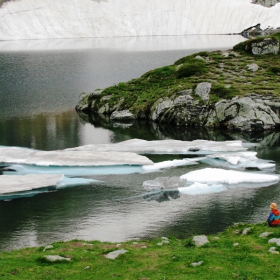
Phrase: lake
(40, 85)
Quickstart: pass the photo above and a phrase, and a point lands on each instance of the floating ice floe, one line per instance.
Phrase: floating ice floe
(94, 170)
(69, 157)
(31, 184)
(239, 160)
(166, 147)
(230, 178)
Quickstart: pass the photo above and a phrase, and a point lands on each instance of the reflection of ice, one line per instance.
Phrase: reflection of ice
(166, 147)
(164, 183)
(161, 196)
(239, 160)
(230, 177)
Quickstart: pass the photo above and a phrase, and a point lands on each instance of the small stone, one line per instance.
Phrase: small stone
(199, 57)
(164, 238)
(165, 241)
(115, 254)
(197, 263)
(87, 267)
(253, 67)
(265, 234)
(275, 240)
(54, 258)
(235, 244)
(135, 243)
(272, 250)
(118, 245)
(200, 240)
(160, 244)
(216, 238)
(48, 247)
(246, 231)
(144, 247)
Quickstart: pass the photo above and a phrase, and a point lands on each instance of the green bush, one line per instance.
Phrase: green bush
(274, 69)
(191, 67)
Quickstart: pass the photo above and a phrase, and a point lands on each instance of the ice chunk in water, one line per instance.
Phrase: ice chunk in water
(239, 160)
(198, 188)
(70, 157)
(230, 177)
(166, 147)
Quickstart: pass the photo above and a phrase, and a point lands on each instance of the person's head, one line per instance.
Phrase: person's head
(273, 205)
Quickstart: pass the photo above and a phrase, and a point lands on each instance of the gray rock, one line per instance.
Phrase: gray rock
(122, 115)
(200, 240)
(272, 250)
(235, 244)
(197, 263)
(246, 231)
(266, 3)
(203, 90)
(183, 100)
(275, 240)
(253, 67)
(115, 254)
(199, 57)
(48, 247)
(268, 45)
(55, 258)
(161, 106)
(265, 234)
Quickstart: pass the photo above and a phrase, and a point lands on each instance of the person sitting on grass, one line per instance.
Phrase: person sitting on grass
(273, 218)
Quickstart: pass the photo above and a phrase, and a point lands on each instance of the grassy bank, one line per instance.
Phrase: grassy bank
(227, 71)
(228, 255)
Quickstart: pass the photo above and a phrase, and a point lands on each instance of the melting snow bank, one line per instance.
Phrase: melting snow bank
(29, 185)
(166, 147)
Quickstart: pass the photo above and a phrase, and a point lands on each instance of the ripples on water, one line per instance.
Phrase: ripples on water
(39, 90)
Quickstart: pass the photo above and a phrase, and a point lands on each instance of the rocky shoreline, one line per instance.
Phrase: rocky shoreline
(233, 90)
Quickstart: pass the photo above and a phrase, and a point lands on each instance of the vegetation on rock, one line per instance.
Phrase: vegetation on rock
(227, 71)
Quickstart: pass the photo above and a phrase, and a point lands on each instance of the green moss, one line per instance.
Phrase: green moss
(191, 67)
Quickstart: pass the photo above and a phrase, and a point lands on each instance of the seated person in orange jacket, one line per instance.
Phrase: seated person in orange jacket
(273, 218)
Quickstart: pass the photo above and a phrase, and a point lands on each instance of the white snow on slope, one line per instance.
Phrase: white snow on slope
(37, 19)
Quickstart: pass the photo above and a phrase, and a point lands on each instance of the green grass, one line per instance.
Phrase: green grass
(139, 95)
(147, 260)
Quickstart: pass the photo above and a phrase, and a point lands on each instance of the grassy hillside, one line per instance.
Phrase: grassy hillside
(228, 72)
(228, 255)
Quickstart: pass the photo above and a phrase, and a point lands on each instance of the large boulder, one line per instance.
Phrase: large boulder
(243, 113)
(266, 46)
(203, 90)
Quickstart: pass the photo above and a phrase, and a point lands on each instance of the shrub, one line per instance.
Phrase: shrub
(274, 69)
(191, 67)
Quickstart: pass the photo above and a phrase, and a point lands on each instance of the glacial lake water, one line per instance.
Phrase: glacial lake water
(40, 82)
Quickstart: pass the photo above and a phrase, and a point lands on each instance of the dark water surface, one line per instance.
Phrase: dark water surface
(38, 91)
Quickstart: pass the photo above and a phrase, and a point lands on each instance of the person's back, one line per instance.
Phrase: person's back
(273, 218)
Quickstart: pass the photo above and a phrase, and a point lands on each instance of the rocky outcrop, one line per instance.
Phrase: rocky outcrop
(249, 113)
(266, 3)
(268, 45)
